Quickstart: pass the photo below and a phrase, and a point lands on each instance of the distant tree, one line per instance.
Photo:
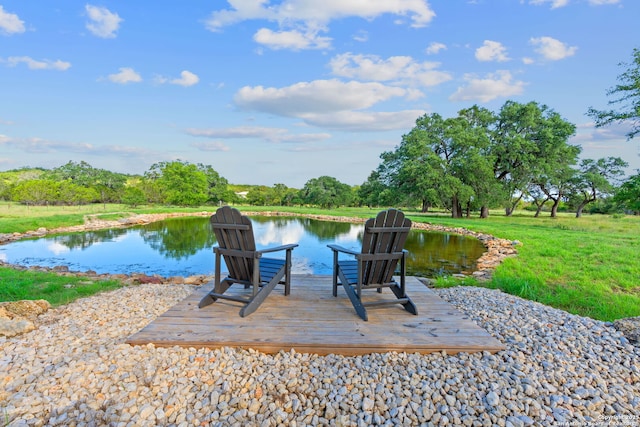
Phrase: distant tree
(259, 195)
(106, 184)
(326, 192)
(595, 179)
(628, 194)
(70, 193)
(133, 197)
(530, 145)
(375, 192)
(36, 192)
(217, 185)
(181, 183)
(627, 93)
(538, 198)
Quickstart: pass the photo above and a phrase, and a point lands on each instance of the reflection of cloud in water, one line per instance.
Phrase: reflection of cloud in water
(58, 248)
(3, 257)
(272, 234)
(351, 236)
(121, 238)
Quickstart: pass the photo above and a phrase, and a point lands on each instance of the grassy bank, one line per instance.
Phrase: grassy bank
(588, 266)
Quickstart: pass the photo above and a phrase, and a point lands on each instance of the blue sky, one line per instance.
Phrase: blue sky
(270, 91)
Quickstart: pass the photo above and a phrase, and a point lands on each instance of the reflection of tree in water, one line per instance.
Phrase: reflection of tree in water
(85, 239)
(179, 237)
(433, 254)
(326, 230)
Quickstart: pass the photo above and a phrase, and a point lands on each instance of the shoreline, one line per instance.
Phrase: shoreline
(497, 249)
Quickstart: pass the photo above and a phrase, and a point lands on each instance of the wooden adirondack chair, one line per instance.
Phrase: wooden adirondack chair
(246, 265)
(374, 267)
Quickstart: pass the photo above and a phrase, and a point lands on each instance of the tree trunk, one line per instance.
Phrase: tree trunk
(484, 212)
(425, 206)
(538, 210)
(554, 208)
(456, 208)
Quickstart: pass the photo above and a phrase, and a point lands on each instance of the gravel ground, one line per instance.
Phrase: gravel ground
(75, 370)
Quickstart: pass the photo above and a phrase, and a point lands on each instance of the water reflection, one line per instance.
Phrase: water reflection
(182, 247)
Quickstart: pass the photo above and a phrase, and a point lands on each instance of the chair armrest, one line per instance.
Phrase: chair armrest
(278, 248)
(338, 248)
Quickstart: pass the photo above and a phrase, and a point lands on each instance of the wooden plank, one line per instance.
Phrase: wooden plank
(311, 320)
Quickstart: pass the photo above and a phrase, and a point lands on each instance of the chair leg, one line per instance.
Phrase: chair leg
(287, 274)
(355, 301)
(335, 273)
(409, 305)
(262, 294)
(219, 288)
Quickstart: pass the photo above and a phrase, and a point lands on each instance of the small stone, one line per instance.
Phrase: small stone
(492, 399)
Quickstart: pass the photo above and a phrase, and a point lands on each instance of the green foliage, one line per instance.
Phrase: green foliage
(628, 195)
(180, 183)
(627, 93)
(477, 160)
(133, 197)
(594, 180)
(20, 285)
(326, 192)
(36, 192)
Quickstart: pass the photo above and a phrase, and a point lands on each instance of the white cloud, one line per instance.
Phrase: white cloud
(103, 23)
(603, 2)
(186, 79)
(41, 145)
(126, 75)
(363, 121)
(253, 132)
(10, 23)
(401, 69)
(319, 11)
(435, 47)
(554, 3)
(312, 16)
(319, 96)
(294, 40)
(45, 64)
(492, 51)
(552, 49)
(497, 85)
(361, 36)
(210, 146)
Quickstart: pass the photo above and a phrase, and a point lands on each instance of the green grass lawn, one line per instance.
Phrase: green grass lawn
(588, 266)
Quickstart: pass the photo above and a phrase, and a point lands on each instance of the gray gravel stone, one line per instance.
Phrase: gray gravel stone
(75, 369)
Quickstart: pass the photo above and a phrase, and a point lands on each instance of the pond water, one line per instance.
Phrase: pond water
(183, 247)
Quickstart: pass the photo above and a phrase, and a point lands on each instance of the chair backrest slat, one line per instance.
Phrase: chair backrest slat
(384, 234)
(234, 231)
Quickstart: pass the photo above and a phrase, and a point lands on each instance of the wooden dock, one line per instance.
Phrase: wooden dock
(311, 320)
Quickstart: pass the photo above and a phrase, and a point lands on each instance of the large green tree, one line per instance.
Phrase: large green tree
(628, 194)
(36, 192)
(626, 99)
(181, 183)
(326, 192)
(595, 179)
(478, 159)
(530, 145)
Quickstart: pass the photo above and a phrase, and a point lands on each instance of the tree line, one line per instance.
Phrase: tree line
(472, 162)
(480, 160)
